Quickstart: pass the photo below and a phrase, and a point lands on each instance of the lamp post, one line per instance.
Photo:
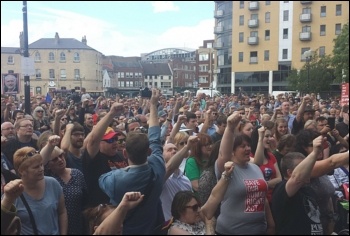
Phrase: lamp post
(26, 54)
(308, 55)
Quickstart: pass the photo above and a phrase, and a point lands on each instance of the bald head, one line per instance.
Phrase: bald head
(169, 150)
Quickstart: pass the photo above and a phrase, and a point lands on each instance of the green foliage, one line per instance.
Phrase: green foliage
(340, 60)
(321, 75)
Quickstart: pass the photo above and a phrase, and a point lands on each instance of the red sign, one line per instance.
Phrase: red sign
(344, 94)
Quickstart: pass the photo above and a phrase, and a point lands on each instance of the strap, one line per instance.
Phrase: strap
(32, 220)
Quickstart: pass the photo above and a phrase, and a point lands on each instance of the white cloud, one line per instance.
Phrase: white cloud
(104, 36)
(163, 6)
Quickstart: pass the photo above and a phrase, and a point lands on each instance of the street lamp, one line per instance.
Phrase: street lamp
(308, 56)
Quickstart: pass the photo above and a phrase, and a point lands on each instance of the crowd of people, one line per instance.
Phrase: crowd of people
(180, 165)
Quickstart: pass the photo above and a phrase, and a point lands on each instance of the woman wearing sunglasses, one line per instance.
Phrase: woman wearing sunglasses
(71, 180)
(189, 217)
(43, 195)
(41, 121)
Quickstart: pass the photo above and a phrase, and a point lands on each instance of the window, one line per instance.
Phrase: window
(37, 56)
(203, 57)
(10, 60)
(253, 33)
(76, 74)
(10, 72)
(241, 20)
(62, 56)
(253, 57)
(286, 15)
(306, 29)
(76, 57)
(52, 74)
(38, 90)
(337, 29)
(267, 3)
(323, 11)
(322, 51)
(306, 10)
(51, 56)
(267, 17)
(322, 30)
(241, 4)
(302, 53)
(266, 55)
(38, 74)
(132, 83)
(267, 34)
(254, 16)
(284, 53)
(241, 37)
(285, 33)
(63, 74)
(240, 56)
(338, 10)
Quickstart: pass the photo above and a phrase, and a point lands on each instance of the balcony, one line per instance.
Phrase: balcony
(253, 23)
(305, 2)
(218, 30)
(305, 36)
(307, 17)
(218, 13)
(253, 40)
(218, 45)
(253, 60)
(253, 5)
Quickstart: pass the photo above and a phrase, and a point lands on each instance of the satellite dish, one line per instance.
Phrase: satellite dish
(52, 84)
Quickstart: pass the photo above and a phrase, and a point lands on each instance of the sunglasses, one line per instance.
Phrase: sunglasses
(132, 120)
(183, 143)
(194, 207)
(111, 140)
(31, 154)
(40, 111)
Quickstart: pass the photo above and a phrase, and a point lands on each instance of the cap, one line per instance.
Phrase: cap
(309, 109)
(162, 113)
(110, 133)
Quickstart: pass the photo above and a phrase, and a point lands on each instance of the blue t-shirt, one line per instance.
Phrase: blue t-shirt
(45, 210)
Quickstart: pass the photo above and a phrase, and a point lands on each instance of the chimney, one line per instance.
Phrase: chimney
(57, 38)
(83, 40)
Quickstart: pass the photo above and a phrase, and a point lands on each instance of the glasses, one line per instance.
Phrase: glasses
(183, 143)
(61, 156)
(9, 128)
(215, 113)
(27, 126)
(194, 207)
(78, 134)
(120, 141)
(111, 140)
(40, 111)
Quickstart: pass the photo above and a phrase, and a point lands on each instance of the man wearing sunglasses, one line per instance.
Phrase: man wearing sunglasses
(101, 155)
(145, 173)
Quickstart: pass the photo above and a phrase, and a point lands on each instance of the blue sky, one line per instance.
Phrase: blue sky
(113, 28)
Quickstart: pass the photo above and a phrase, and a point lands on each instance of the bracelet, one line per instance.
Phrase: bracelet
(226, 177)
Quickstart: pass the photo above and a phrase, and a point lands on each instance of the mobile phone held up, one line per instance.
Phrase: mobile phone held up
(331, 122)
(146, 93)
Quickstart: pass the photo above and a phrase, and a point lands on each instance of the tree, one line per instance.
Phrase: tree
(340, 60)
(321, 75)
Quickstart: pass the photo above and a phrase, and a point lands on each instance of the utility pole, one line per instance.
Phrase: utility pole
(26, 54)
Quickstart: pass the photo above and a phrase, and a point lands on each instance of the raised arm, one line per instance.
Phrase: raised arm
(218, 192)
(180, 120)
(113, 224)
(225, 153)
(207, 117)
(323, 167)
(57, 122)
(95, 136)
(302, 172)
(304, 102)
(174, 163)
(53, 141)
(259, 155)
(65, 143)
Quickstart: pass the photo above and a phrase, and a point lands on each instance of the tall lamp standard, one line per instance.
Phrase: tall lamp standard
(308, 56)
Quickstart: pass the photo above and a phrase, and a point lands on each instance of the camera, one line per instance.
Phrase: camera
(146, 93)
